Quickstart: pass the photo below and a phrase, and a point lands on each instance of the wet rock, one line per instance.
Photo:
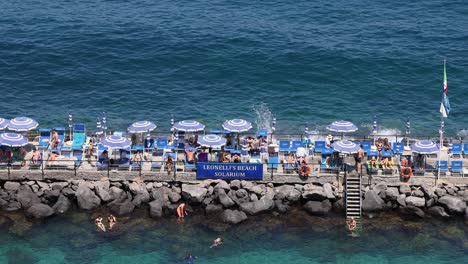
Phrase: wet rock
(26, 197)
(339, 205)
(86, 198)
(373, 202)
(235, 184)
(39, 210)
(223, 185)
(212, 209)
(256, 207)
(156, 209)
(415, 201)
(281, 207)
(288, 192)
(318, 208)
(10, 206)
(62, 205)
(405, 189)
(233, 216)
(453, 204)
(11, 186)
(438, 211)
(391, 193)
(121, 208)
(223, 198)
(193, 193)
(412, 211)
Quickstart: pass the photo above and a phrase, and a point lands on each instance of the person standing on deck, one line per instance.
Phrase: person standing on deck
(359, 158)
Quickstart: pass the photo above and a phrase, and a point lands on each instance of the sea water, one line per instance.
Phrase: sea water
(308, 62)
(295, 238)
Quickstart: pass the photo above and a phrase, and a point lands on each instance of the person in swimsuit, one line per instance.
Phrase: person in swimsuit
(236, 158)
(112, 221)
(169, 164)
(218, 241)
(404, 162)
(351, 224)
(137, 157)
(36, 156)
(190, 155)
(55, 140)
(359, 158)
(99, 223)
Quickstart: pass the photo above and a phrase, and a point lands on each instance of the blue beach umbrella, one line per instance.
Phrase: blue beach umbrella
(22, 124)
(141, 127)
(13, 140)
(3, 123)
(425, 147)
(342, 126)
(189, 126)
(346, 147)
(237, 125)
(212, 141)
(116, 142)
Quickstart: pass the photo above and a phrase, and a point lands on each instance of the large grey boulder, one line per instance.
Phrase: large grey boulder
(318, 208)
(40, 210)
(242, 196)
(415, 201)
(259, 189)
(223, 185)
(212, 209)
(223, 198)
(373, 202)
(121, 207)
(438, 211)
(401, 200)
(86, 198)
(116, 193)
(58, 185)
(69, 192)
(11, 186)
(247, 185)
(380, 187)
(281, 207)
(256, 207)
(142, 196)
(235, 184)
(102, 190)
(233, 216)
(173, 196)
(405, 189)
(412, 211)
(314, 195)
(453, 204)
(428, 191)
(62, 205)
(288, 192)
(26, 197)
(193, 193)
(156, 209)
(391, 193)
(440, 192)
(328, 191)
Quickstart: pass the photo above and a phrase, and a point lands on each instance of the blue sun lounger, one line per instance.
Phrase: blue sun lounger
(366, 146)
(319, 146)
(443, 166)
(79, 137)
(398, 147)
(44, 138)
(296, 144)
(456, 149)
(284, 145)
(457, 167)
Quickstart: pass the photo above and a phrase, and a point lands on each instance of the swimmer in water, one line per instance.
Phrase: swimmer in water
(190, 258)
(218, 241)
(99, 223)
(352, 224)
(112, 221)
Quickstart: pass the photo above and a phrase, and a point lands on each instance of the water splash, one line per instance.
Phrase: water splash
(263, 116)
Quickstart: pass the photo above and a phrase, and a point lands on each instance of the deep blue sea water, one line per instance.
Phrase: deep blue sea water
(306, 62)
(295, 238)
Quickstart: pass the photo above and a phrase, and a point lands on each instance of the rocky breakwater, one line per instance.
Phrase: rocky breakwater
(442, 201)
(231, 202)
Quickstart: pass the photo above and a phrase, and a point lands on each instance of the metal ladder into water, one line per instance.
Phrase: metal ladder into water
(353, 200)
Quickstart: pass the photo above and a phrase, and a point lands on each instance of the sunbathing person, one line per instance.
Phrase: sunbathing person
(91, 146)
(373, 163)
(169, 164)
(55, 139)
(386, 163)
(36, 156)
(224, 157)
(404, 162)
(53, 156)
(236, 158)
(137, 157)
(190, 155)
(379, 146)
(290, 159)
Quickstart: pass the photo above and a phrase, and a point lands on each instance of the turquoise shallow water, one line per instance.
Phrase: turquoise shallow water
(296, 238)
(308, 62)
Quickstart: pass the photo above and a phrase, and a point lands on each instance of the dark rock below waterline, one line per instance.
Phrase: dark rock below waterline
(40, 210)
(256, 207)
(453, 204)
(438, 211)
(318, 208)
(233, 216)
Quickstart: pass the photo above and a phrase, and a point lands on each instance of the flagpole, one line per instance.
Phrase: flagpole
(444, 111)
(441, 131)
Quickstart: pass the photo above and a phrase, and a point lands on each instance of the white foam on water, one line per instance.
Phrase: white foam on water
(263, 117)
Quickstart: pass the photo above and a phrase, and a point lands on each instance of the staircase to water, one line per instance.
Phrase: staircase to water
(353, 200)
